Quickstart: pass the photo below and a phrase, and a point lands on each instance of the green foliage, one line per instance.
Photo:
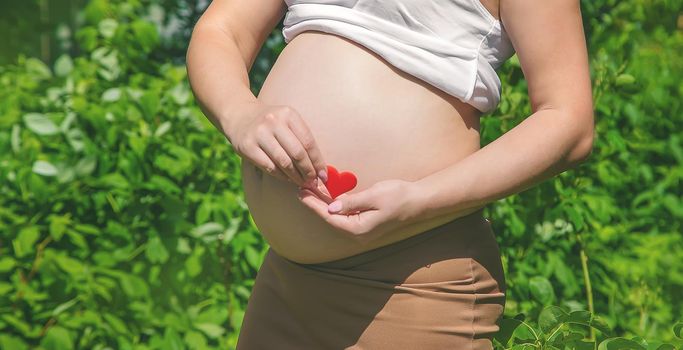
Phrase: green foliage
(556, 328)
(120, 202)
(123, 223)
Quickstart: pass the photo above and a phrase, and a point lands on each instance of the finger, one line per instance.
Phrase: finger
(305, 136)
(265, 164)
(348, 203)
(296, 151)
(280, 158)
(347, 224)
(320, 191)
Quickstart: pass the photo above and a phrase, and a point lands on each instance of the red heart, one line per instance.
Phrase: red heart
(338, 183)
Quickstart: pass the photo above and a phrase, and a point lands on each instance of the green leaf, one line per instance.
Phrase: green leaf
(193, 263)
(25, 241)
(96, 10)
(111, 95)
(44, 168)
(17, 324)
(625, 79)
(507, 327)
(149, 103)
(162, 184)
(600, 324)
(582, 317)
(211, 330)
(77, 239)
(133, 286)
(155, 251)
(88, 229)
(580, 345)
(207, 228)
(252, 256)
(8, 341)
(550, 317)
(72, 266)
(86, 166)
(678, 329)
(63, 65)
(195, 340)
(574, 216)
(116, 323)
(541, 290)
(57, 338)
(620, 344)
(109, 62)
(40, 124)
(146, 34)
(172, 340)
(6, 288)
(58, 224)
(180, 94)
(162, 129)
(76, 138)
(525, 333)
(38, 68)
(114, 180)
(7, 263)
(64, 306)
(107, 27)
(16, 138)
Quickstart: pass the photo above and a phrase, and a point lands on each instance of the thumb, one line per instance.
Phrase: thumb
(348, 203)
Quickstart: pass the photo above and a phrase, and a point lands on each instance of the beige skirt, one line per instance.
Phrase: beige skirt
(441, 289)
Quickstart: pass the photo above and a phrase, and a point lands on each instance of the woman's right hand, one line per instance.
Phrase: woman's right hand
(277, 140)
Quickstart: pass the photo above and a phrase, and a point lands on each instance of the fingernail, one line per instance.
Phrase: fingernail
(323, 175)
(334, 206)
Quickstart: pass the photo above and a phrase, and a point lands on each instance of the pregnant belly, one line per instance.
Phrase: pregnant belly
(367, 117)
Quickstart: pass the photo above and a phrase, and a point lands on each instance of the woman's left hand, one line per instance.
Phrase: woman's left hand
(368, 214)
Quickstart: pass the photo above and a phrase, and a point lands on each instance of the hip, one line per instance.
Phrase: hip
(443, 289)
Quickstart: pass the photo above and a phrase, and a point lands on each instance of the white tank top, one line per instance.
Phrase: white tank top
(454, 45)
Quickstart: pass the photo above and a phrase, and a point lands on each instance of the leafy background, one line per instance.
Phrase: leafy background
(123, 224)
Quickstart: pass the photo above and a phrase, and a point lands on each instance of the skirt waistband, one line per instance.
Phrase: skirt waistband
(469, 220)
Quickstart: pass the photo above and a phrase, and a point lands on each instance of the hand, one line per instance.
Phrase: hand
(368, 214)
(277, 140)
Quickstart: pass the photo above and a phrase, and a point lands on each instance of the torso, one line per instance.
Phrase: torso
(367, 117)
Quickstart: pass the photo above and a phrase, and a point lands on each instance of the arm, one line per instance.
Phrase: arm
(222, 50)
(549, 40)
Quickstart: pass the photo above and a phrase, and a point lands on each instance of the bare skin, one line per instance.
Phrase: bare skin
(355, 111)
(366, 117)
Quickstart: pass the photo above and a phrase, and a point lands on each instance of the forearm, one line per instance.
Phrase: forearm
(218, 75)
(545, 144)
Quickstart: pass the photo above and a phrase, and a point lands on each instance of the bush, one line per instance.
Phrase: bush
(121, 204)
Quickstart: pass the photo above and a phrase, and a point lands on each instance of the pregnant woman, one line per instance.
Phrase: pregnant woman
(393, 92)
